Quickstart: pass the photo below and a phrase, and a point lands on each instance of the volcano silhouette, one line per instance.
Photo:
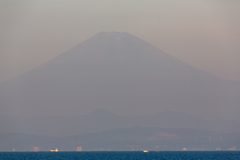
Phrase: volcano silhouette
(121, 73)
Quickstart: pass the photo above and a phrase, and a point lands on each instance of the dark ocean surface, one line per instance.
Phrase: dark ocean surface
(192, 155)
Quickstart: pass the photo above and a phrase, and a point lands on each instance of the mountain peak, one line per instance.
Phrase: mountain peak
(114, 33)
(105, 47)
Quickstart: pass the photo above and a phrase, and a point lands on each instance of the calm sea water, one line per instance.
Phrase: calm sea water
(120, 155)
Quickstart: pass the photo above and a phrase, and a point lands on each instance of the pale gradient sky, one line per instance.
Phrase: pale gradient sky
(202, 33)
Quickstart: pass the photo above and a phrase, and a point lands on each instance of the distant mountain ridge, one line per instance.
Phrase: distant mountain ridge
(123, 74)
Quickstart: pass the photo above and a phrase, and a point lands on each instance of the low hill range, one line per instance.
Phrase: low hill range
(101, 120)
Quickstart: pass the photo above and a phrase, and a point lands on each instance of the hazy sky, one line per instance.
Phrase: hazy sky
(203, 33)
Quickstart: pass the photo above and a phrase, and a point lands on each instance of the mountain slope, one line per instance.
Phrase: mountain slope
(121, 73)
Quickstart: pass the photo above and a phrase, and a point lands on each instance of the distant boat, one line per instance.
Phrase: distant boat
(145, 150)
(54, 150)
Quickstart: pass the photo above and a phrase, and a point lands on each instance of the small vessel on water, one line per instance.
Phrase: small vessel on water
(53, 150)
(145, 150)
